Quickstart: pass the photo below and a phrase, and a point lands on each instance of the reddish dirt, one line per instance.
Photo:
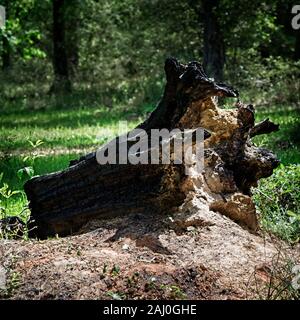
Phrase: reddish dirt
(199, 255)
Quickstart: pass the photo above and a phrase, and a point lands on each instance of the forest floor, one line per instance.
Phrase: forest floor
(196, 254)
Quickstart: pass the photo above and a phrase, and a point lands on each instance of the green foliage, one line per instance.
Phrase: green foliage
(25, 172)
(13, 203)
(125, 62)
(122, 45)
(268, 81)
(174, 291)
(21, 34)
(115, 270)
(13, 283)
(278, 201)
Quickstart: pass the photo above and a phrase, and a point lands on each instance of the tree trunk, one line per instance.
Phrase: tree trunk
(6, 54)
(72, 37)
(62, 202)
(61, 82)
(214, 51)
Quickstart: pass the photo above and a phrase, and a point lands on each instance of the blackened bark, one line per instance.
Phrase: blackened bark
(263, 127)
(61, 82)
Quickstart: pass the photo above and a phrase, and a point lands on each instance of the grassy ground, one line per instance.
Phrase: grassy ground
(35, 142)
(278, 197)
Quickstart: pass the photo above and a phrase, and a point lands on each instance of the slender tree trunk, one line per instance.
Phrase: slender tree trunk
(213, 51)
(72, 36)
(6, 54)
(6, 49)
(61, 82)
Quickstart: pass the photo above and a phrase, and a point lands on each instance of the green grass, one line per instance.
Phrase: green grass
(74, 128)
(277, 197)
(67, 133)
(278, 202)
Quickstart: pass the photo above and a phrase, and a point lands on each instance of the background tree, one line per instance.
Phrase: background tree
(61, 83)
(72, 25)
(114, 48)
(213, 51)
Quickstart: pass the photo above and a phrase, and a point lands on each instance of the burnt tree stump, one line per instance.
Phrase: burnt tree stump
(64, 201)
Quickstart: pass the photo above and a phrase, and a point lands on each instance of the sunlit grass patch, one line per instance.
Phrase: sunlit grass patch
(62, 128)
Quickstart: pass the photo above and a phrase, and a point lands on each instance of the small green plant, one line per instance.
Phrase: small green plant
(12, 284)
(35, 144)
(28, 171)
(104, 271)
(5, 194)
(151, 285)
(116, 295)
(177, 292)
(12, 224)
(174, 291)
(115, 270)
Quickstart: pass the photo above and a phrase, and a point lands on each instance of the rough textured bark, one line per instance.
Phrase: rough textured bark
(61, 82)
(63, 201)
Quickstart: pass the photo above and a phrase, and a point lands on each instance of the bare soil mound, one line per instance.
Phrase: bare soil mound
(194, 254)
